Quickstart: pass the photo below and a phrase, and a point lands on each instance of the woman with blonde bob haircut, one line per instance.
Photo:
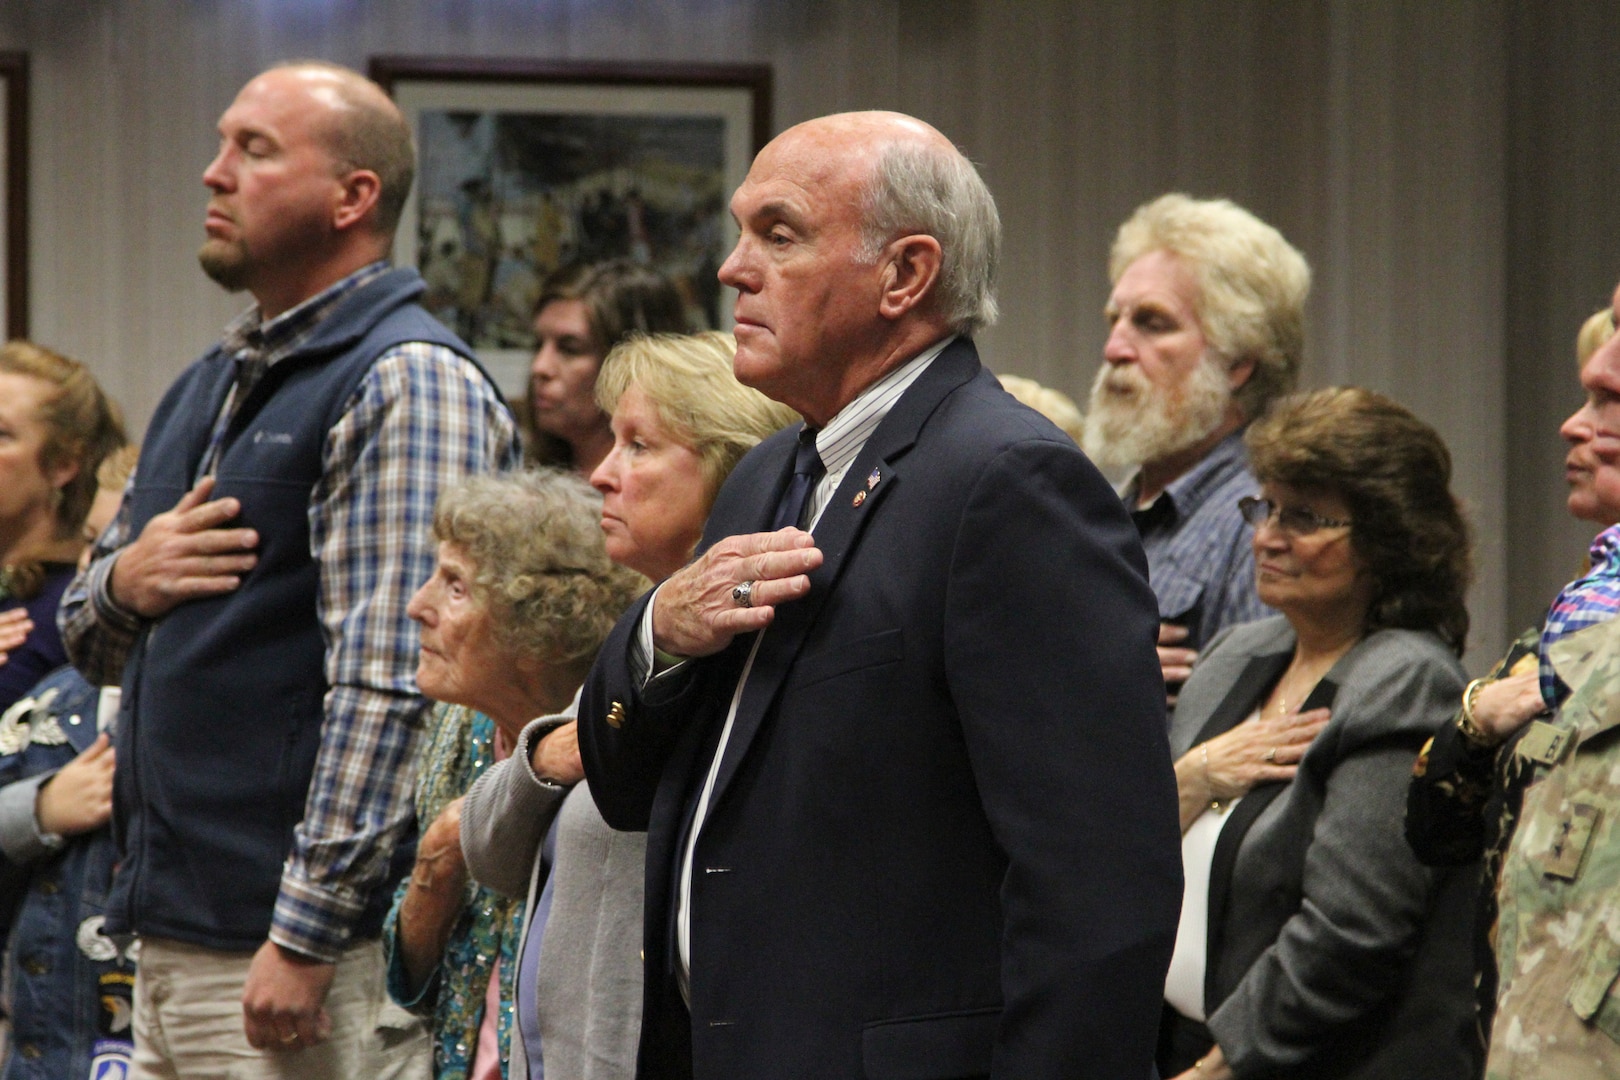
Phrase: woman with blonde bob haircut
(681, 421)
(687, 379)
(1597, 329)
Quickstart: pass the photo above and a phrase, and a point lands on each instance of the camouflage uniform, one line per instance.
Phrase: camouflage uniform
(1558, 938)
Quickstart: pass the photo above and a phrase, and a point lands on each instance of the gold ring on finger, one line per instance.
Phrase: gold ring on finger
(1271, 756)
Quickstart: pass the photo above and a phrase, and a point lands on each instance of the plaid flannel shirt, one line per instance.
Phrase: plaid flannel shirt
(1591, 598)
(422, 419)
(1198, 545)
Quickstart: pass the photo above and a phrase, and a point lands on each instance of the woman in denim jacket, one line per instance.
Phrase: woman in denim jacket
(67, 986)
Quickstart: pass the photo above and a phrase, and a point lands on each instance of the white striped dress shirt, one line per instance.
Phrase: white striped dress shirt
(838, 444)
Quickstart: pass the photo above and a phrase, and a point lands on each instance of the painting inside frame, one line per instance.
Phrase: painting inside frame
(519, 177)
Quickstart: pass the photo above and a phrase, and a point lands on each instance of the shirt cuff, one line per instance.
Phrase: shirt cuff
(20, 837)
(641, 645)
(398, 982)
(646, 662)
(108, 610)
(528, 739)
(314, 920)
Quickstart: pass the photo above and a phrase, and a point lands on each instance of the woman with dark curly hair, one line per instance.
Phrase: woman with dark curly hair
(1312, 942)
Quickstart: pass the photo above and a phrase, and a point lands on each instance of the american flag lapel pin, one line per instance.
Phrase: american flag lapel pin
(871, 482)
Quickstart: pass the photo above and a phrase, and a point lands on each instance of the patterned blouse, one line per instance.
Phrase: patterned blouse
(460, 746)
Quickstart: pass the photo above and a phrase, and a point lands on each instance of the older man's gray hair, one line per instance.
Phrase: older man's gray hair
(918, 189)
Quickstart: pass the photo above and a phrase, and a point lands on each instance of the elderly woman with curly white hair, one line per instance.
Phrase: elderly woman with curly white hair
(521, 599)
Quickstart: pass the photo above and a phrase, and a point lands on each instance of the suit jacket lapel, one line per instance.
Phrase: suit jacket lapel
(1255, 679)
(837, 533)
(1224, 859)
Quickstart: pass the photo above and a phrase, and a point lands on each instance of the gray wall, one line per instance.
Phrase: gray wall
(1431, 159)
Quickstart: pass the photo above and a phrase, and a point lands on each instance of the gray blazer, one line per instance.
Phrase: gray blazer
(590, 984)
(1332, 951)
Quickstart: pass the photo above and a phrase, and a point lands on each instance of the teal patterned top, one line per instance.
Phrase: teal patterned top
(460, 747)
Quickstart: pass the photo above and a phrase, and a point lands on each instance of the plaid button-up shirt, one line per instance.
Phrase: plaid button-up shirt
(1200, 563)
(422, 419)
(1591, 598)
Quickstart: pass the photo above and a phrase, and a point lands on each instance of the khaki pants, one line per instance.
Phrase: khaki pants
(188, 1021)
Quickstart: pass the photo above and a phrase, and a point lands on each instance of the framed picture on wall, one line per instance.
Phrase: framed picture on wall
(14, 194)
(525, 166)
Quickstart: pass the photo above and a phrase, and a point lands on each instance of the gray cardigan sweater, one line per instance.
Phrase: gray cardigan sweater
(1337, 954)
(589, 992)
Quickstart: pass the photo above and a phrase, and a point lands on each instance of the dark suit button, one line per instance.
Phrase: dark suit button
(615, 716)
(36, 966)
(31, 1051)
(49, 887)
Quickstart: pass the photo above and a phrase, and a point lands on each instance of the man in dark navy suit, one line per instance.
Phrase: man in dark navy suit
(897, 735)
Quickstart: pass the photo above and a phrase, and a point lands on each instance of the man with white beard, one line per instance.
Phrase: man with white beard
(1206, 328)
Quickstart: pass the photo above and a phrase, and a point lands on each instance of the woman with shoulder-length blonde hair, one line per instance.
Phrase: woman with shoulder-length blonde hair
(681, 422)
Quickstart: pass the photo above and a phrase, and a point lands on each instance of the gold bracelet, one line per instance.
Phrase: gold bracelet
(1476, 735)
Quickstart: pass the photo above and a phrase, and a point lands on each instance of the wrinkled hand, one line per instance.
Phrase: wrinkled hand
(435, 898)
(1176, 663)
(1238, 759)
(1506, 705)
(439, 850)
(183, 554)
(79, 797)
(555, 758)
(695, 615)
(284, 1001)
(15, 626)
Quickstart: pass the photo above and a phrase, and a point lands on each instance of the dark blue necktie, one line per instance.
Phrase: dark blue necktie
(807, 469)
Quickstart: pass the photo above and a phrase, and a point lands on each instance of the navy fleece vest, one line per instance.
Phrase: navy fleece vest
(222, 703)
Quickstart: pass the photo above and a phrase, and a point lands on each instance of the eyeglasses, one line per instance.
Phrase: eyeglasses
(1293, 520)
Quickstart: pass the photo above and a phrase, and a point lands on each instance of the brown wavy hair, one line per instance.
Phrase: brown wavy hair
(1394, 473)
(621, 297)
